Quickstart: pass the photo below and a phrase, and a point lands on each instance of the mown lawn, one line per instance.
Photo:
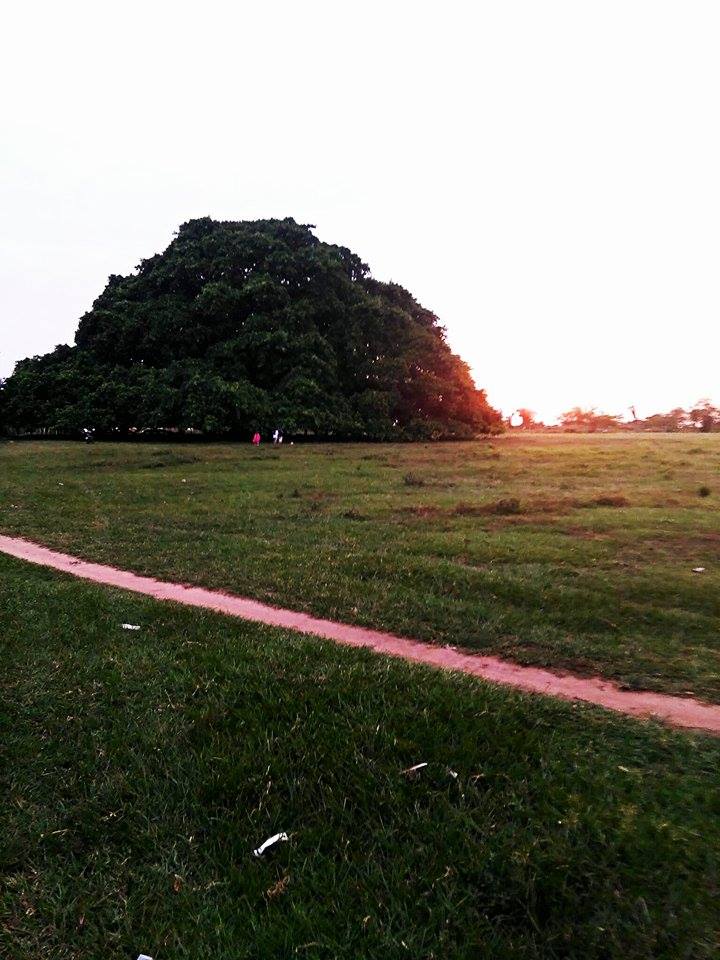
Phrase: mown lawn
(569, 551)
(140, 770)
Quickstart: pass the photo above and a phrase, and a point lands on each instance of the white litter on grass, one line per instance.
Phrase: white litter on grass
(276, 838)
(418, 766)
(452, 773)
(130, 626)
(698, 569)
(144, 956)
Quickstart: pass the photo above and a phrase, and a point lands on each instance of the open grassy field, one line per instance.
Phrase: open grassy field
(140, 770)
(567, 551)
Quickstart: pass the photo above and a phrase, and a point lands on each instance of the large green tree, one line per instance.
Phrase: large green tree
(238, 326)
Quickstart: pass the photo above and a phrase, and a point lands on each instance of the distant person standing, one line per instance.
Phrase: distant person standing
(256, 439)
(276, 436)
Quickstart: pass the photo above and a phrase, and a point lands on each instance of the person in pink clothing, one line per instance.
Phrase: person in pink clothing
(256, 438)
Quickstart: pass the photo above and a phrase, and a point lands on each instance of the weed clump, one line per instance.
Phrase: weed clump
(354, 514)
(413, 480)
(508, 506)
(467, 510)
(505, 507)
(609, 500)
(421, 510)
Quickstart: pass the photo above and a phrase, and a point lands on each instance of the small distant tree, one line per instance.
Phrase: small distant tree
(588, 421)
(528, 419)
(671, 422)
(607, 421)
(704, 416)
(575, 419)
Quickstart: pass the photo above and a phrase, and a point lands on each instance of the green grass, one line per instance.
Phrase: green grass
(569, 551)
(140, 769)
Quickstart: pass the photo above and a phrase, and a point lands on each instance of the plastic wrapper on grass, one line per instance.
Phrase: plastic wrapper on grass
(270, 842)
(413, 770)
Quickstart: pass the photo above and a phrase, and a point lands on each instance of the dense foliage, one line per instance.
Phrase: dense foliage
(252, 325)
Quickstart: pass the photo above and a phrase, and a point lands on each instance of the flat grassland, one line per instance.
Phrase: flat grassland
(140, 769)
(574, 552)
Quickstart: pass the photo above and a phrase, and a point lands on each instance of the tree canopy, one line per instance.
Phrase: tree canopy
(252, 325)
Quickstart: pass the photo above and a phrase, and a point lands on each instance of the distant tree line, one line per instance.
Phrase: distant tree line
(245, 326)
(703, 417)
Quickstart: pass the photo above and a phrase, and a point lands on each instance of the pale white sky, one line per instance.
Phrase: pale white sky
(545, 176)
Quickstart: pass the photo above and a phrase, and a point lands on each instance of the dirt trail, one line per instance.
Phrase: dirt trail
(677, 711)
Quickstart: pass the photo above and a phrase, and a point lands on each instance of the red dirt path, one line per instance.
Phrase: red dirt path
(677, 711)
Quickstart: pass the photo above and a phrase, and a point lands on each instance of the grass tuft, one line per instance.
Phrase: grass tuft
(506, 507)
(413, 480)
(609, 500)
(354, 514)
